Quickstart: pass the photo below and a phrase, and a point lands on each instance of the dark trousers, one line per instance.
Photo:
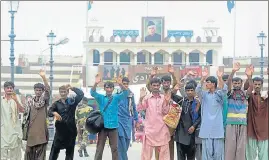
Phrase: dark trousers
(112, 135)
(184, 151)
(54, 153)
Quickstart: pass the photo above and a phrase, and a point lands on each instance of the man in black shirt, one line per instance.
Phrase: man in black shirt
(66, 131)
(189, 121)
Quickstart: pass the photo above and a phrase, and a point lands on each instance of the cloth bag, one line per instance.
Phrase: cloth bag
(171, 119)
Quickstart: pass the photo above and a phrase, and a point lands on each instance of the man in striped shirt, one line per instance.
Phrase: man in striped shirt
(236, 129)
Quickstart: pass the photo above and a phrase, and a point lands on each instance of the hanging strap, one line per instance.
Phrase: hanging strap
(109, 101)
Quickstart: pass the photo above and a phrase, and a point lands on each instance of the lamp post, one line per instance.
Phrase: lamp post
(51, 39)
(261, 38)
(14, 5)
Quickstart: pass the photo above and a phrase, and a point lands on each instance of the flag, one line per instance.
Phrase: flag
(230, 5)
(89, 5)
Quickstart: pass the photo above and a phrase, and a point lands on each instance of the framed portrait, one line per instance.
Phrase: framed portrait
(152, 29)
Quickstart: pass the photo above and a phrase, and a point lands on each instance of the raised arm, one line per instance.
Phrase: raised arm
(236, 68)
(46, 94)
(249, 72)
(172, 72)
(199, 88)
(94, 94)
(142, 104)
(79, 95)
(220, 80)
(152, 74)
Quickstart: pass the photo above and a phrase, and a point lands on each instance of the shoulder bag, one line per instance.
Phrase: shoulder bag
(95, 121)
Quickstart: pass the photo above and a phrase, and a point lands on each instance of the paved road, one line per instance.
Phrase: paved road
(133, 153)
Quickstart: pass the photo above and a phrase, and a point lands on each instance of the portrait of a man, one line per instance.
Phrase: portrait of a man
(152, 29)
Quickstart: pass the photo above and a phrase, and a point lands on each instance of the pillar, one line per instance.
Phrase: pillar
(152, 58)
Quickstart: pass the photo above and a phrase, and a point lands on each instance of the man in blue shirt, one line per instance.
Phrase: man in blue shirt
(110, 116)
(212, 130)
(127, 113)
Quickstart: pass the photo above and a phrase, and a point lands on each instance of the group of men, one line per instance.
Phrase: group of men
(35, 118)
(220, 119)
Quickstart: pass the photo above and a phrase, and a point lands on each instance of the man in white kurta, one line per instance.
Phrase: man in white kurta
(11, 132)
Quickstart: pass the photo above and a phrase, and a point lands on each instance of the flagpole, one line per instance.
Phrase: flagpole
(234, 32)
(86, 40)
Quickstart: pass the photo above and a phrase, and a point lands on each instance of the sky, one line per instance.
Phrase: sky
(34, 21)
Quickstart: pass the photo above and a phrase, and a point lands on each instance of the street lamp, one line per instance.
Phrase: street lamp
(51, 39)
(261, 38)
(13, 8)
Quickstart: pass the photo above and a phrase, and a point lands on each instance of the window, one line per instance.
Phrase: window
(108, 58)
(209, 57)
(141, 58)
(96, 58)
(158, 58)
(177, 57)
(194, 59)
(124, 58)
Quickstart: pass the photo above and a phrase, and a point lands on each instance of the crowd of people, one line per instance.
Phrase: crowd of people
(220, 118)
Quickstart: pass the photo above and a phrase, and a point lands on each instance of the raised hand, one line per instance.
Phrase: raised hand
(249, 70)
(154, 71)
(220, 73)
(236, 67)
(97, 78)
(119, 80)
(68, 86)
(42, 73)
(205, 73)
(171, 69)
(143, 92)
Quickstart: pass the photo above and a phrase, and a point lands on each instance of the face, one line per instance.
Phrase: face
(257, 86)
(38, 91)
(9, 90)
(190, 92)
(155, 87)
(63, 93)
(151, 30)
(166, 85)
(209, 85)
(237, 85)
(109, 90)
(125, 84)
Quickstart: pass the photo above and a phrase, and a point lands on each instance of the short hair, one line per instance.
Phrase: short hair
(212, 79)
(166, 78)
(125, 79)
(9, 83)
(225, 77)
(190, 86)
(109, 84)
(192, 81)
(85, 99)
(258, 79)
(39, 85)
(63, 87)
(237, 79)
(155, 80)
